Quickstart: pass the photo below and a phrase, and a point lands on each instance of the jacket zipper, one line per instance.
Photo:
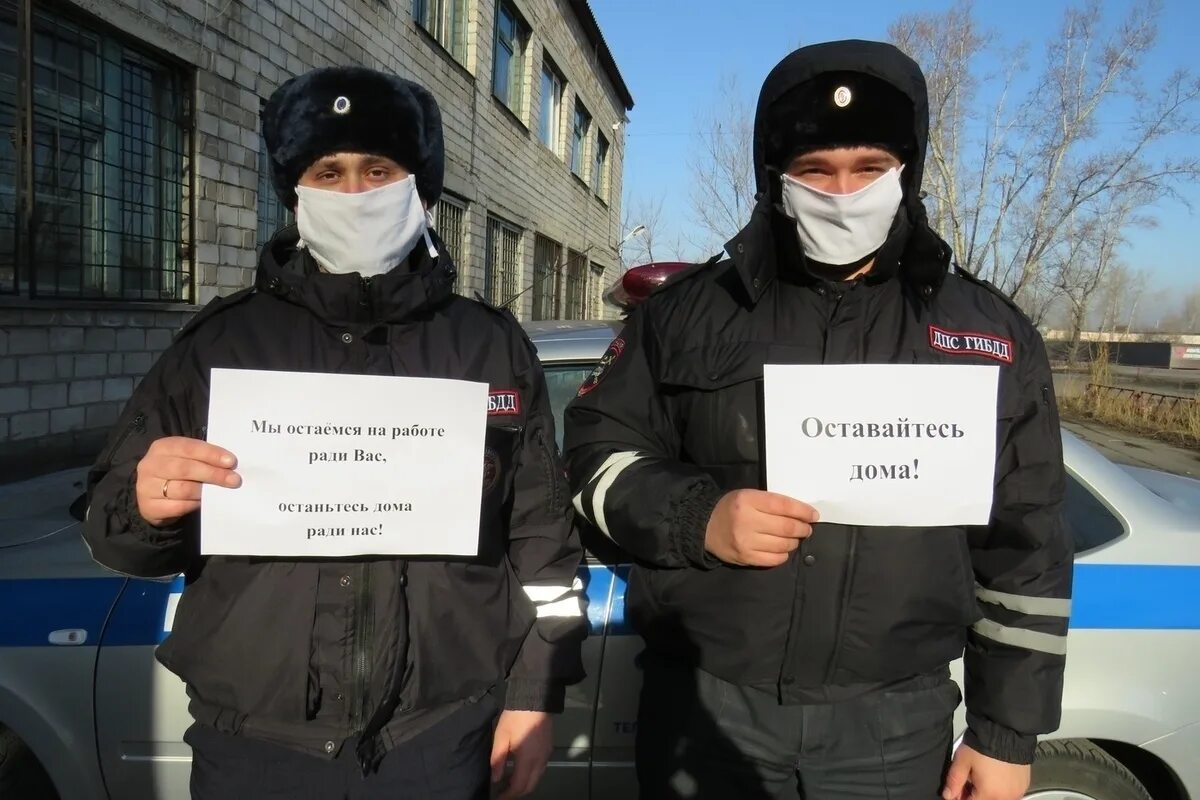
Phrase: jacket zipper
(552, 480)
(365, 300)
(138, 423)
(837, 303)
(840, 629)
(363, 634)
(363, 611)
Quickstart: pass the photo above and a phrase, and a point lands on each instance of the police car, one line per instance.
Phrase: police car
(86, 713)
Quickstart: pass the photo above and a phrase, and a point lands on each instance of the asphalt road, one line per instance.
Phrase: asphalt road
(1139, 451)
(1130, 448)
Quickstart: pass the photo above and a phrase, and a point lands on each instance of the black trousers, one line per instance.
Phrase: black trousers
(700, 737)
(447, 762)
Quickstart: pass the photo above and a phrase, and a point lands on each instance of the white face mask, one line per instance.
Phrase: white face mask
(840, 229)
(365, 232)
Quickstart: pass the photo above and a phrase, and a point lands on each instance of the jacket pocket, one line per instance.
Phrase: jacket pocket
(230, 645)
(104, 462)
(552, 473)
(713, 396)
(472, 617)
(715, 366)
(912, 600)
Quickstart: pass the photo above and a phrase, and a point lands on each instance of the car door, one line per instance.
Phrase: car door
(610, 652)
(569, 772)
(619, 686)
(141, 708)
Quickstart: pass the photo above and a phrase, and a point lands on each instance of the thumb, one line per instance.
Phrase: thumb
(499, 755)
(956, 780)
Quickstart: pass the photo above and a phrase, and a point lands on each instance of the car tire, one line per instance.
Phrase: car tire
(1076, 769)
(21, 776)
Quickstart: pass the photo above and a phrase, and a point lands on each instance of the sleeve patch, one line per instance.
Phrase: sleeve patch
(605, 363)
(960, 343)
(504, 403)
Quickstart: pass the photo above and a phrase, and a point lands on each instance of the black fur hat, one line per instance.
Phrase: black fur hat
(353, 110)
(840, 109)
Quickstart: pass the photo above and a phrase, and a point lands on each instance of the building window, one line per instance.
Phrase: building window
(445, 21)
(547, 277)
(502, 272)
(599, 168)
(577, 286)
(550, 124)
(579, 132)
(108, 188)
(272, 213)
(508, 67)
(450, 222)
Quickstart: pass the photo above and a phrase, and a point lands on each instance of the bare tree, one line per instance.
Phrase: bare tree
(1068, 168)
(1083, 263)
(1112, 294)
(1013, 198)
(646, 211)
(1186, 319)
(722, 165)
(1139, 283)
(1191, 312)
(1045, 303)
(1120, 293)
(964, 181)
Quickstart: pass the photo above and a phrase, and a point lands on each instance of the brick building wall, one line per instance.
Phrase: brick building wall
(57, 397)
(65, 374)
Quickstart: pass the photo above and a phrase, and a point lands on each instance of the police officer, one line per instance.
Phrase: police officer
(364, 678)
(782, 652)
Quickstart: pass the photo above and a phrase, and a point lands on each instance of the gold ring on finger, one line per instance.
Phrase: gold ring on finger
(164, 489)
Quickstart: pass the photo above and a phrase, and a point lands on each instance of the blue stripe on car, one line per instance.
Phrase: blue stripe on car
(1136, 597)
(618, 624)
(140, 617)
(599, 581)
(33, 607)
(1107, 597)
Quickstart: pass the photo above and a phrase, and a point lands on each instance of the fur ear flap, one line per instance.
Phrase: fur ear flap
(353, 110)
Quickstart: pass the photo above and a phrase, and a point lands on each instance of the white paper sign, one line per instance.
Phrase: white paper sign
(884, 444)
(345, 465)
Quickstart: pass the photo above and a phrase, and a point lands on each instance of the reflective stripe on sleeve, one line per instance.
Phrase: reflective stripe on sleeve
(1019, 637)
(1026, 604)
(562, 608)
(602, 481)
(547, 594)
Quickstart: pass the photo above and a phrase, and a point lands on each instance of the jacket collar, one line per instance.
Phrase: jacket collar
(418, 285)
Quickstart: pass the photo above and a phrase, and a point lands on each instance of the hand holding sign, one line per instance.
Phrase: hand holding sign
(751, 528)
(173, 471)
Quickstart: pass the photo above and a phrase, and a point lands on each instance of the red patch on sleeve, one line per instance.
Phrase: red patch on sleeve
(959, 343)
(504, 403)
